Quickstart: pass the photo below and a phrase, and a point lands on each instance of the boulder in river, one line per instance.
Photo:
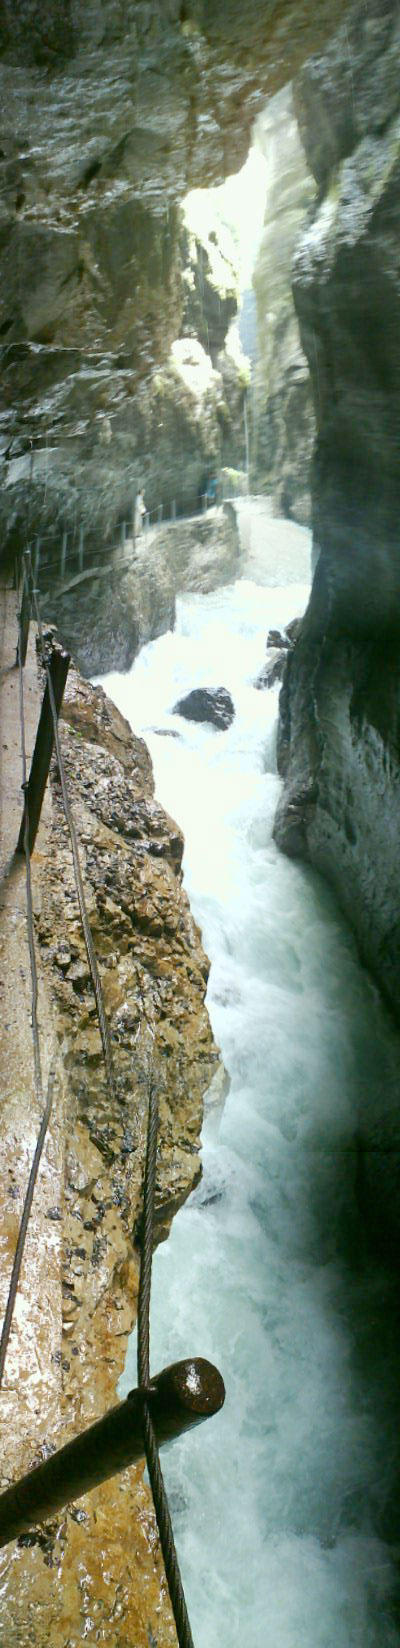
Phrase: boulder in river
(277, 638)
(272, 671)
(212, 704)
(292, 631)
(279, 644)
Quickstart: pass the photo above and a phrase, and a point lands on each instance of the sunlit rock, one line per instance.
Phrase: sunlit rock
(283, 412)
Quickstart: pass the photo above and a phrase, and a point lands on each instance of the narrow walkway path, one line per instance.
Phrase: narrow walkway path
(275, 551)
(35, 1335)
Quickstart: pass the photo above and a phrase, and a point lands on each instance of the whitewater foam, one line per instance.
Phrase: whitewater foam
(279, 1503)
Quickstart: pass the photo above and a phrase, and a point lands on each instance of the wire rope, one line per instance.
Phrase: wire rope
(47, 1107)
(160, 1499)
(96, 981)
(171, 1564)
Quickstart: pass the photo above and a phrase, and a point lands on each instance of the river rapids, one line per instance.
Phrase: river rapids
(283, 1506)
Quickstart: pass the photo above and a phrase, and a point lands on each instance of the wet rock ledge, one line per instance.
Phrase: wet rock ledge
(107, 613)
(339, 735)
(94, 1575)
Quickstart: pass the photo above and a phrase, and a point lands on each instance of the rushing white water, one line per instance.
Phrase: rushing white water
(277, 1503)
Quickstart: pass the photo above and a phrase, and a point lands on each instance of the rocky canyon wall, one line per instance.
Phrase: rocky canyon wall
(283, 413)
(93, 1573)
(109, 115)
(107, 613)
(339, 738)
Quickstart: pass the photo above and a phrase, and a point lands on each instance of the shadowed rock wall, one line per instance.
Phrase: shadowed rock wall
(110, 112)
(283, 414)
(339, 745)
(93, 1573)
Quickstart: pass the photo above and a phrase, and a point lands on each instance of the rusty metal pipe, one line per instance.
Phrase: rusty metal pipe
(180, 1397)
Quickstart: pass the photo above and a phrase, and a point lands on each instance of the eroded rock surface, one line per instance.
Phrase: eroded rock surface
(105, 616)
(278, 647)
(94, 1573)
(272, 670)
(212, 704)
(109, 115)
(339, 740)
(284, 423)
(347, 296)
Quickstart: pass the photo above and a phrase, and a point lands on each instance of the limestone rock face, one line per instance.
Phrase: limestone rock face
(339, 743)
(210, 283)
(94, 1572)
(106, 614)
(283, 414)
(186, 422)
(347, 295)
(186, 437)
(194, 421)
(109, 115)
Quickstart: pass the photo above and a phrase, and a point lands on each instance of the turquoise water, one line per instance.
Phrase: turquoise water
(283, 1506)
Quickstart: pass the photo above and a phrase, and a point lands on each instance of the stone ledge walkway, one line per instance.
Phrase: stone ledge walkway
(275, 551)
(35, 1335)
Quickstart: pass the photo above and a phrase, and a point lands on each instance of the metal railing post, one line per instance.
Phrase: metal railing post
(36, 561)
(178, 1398)
(24, 619)
(59, 666)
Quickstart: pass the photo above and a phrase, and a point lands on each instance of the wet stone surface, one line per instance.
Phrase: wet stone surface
(210, 704)
(82, 1577)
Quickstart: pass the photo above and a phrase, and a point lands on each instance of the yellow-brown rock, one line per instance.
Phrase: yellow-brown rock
(94, 1575)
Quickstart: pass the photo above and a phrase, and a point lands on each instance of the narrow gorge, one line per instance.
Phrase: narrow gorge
(270, 488)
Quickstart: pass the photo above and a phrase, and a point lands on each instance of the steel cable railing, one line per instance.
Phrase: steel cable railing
(161, 1506)
(160, 1499)
(95, 976)
(104, 1031)
(111, 552)
(47, 1107)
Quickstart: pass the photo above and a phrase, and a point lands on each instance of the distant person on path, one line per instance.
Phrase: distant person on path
(140, 511)
(208, 491)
